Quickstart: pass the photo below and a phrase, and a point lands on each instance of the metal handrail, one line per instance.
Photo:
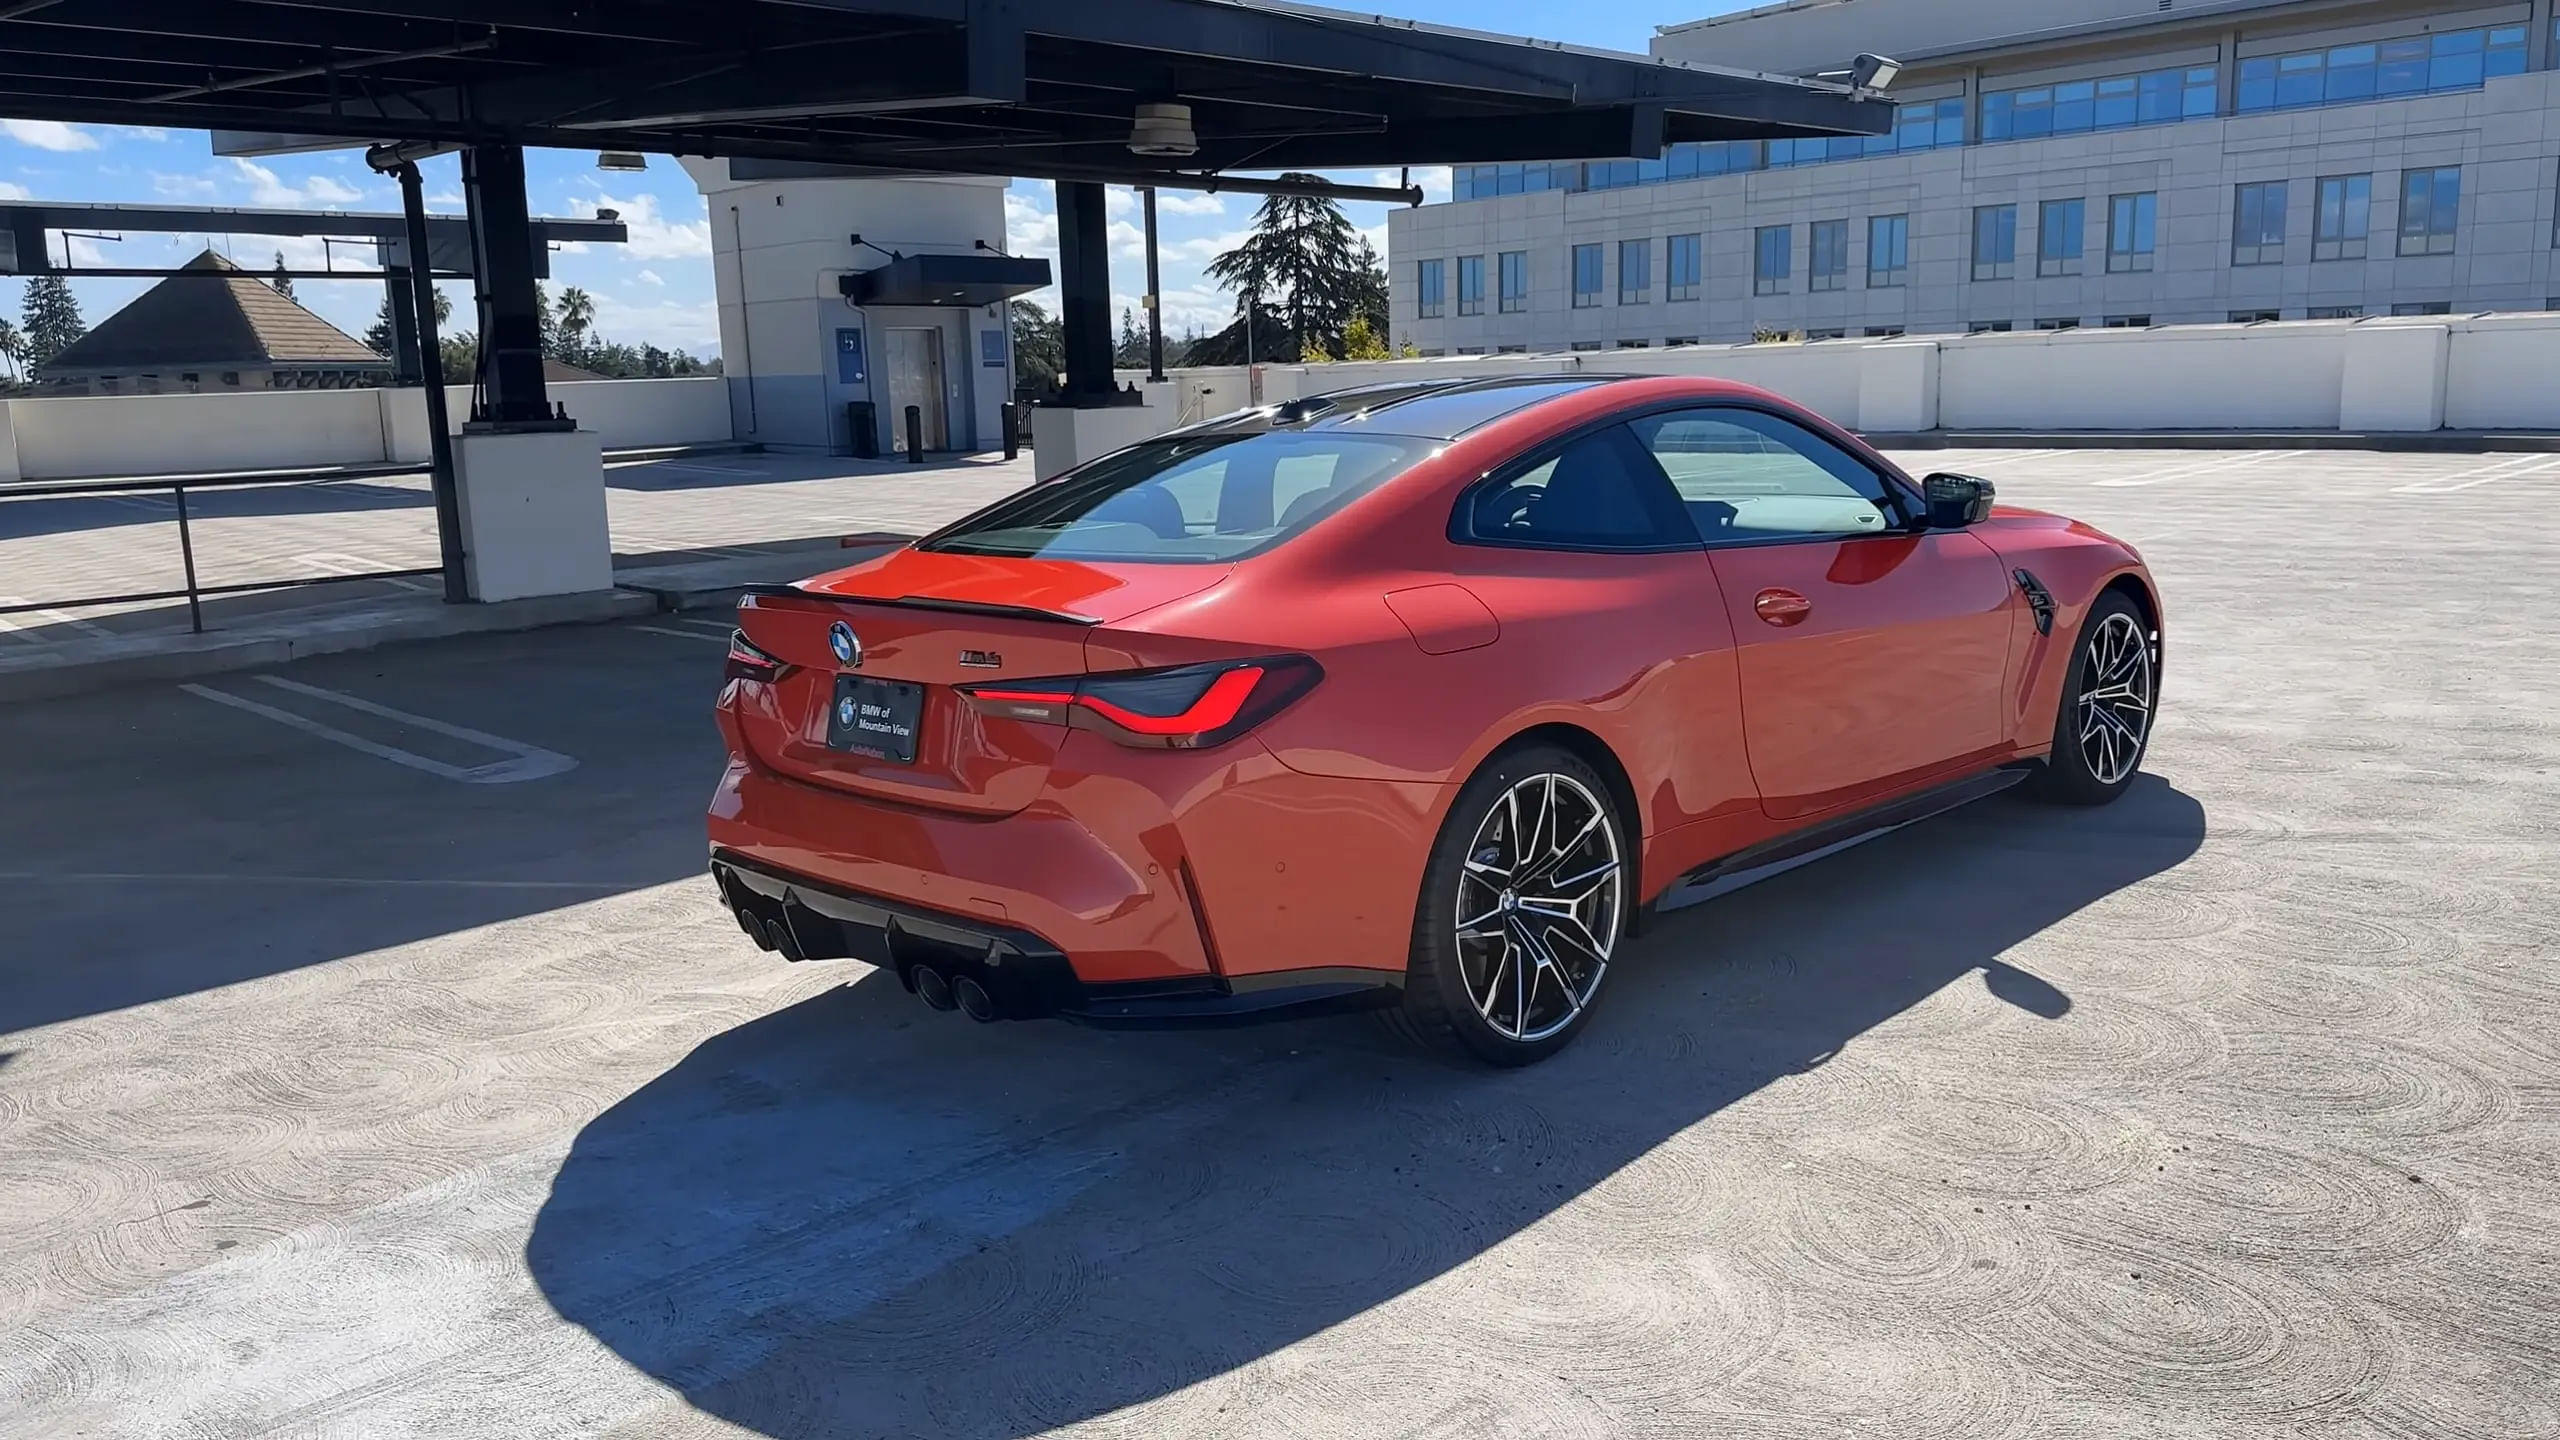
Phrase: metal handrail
(177, 486)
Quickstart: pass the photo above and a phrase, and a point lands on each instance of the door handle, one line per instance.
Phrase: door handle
(1782, 607)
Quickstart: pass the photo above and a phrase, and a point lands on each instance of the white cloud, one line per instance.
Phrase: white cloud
(653, 235)
(1176, 202)
(652, 277)
(329, 191)
(1203, 248)
(181, 187)
(269, 190)
(48, 134)
(152, 133)
(451, 199)
(1028, 228)
(11, 190)
(666, 323)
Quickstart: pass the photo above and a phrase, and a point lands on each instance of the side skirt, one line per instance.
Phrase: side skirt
(1777, 857)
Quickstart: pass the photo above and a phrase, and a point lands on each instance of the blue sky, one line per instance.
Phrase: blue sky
(657, 289)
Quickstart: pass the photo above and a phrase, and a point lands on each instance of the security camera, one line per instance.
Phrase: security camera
(1873, 72)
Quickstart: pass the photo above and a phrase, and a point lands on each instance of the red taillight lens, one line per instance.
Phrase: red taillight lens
(1187, 707)
(746, 662)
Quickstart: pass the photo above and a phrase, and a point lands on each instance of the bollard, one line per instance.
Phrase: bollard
(915, 434)
(1012, 430)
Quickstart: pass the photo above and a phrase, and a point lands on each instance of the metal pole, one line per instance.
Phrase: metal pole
(422, 283)
(1155, 295)
(1012, 430)
(915, 434)
(187, 552)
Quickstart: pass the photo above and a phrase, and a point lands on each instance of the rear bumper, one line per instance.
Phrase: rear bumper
(1025, 975)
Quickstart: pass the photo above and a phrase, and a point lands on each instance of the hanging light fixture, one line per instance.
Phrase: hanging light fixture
(622, 160)
(1164, 130)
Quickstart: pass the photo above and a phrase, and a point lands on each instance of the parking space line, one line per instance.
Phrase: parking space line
(14, 626)
(411, 882)
(340, 563)
(2514, 469)
(531, 762)
(720, 639)
(2223, 466)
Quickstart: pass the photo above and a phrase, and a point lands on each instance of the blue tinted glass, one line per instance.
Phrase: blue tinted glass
(2404, 68)
(2506, 51)
(2117, 103)
(2446, 213)
(2074, 107)
(2257, 85)
(1652, 172)
(1950, 122)
(2300, 81)
(1999, 116)
(2160, 98)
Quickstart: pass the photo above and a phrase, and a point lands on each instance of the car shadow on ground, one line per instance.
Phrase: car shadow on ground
(856, 1217)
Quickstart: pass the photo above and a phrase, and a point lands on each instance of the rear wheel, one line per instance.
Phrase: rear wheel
(1523, 905)
(2104, 729)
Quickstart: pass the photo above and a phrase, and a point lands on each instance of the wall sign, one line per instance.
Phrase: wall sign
(991, 349)
(849, 369)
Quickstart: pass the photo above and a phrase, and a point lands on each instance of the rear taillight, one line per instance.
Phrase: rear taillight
(1187, 707)
(746, 662)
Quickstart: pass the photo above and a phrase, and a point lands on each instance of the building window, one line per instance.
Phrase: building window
(2118, 102)
(2423, 307)
(1888, 251)
(1430, 282)
(2346, 208)
(1585, 347)
(2415, 65)
(1515, 281)
(2255, 317)
(1990, 327)
(1680, 340)
(1688, 267)
(2337, 312)
(2430, 203)
(1510, 349)
(1813, 335)
(2133, 233)
(1884, 332)
(2060, 240)
(2258, 224)
(2128, 322)
(1587, 267)
(1772, 257)
(1995, 242)
(1827, 266)
(1635, 272)
(1635, 344)
(2064, 322)
(1929, 125)
(1470, 284)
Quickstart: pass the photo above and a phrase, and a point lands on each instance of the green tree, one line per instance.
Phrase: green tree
(52, 320)
(577, 317)
(1362, 341)
(1305, 266)
(1039, 348)
(1132, 350)
(13, 350)
(282, 281)
(460, 355)
(378, 338)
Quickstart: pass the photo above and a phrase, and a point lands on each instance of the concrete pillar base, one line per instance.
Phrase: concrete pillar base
(533, 517)
(1062, 438)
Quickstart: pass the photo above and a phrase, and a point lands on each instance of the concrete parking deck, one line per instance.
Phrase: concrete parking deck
(375, 1061)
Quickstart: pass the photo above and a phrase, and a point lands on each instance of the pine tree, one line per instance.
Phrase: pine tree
(282, 281)
(1305, 267)
(377, 338)
(53, 322)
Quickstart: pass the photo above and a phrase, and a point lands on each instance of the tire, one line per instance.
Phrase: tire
(2109, 701)
(1555, 916)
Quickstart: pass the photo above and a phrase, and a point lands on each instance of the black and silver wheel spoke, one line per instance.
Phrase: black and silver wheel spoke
(2115, 699)
(1538, 907)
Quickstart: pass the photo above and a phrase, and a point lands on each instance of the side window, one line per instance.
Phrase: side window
(1745, 475)
(1597, 493)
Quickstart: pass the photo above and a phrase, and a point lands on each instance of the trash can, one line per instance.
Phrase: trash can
(864, 423)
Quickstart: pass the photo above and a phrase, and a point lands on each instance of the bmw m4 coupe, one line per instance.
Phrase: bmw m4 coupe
(1421, 695)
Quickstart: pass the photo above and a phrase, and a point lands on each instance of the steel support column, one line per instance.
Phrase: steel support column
(430, 352)
(512, 395)
(402, 298)
(1155, 294)
(1084, 294)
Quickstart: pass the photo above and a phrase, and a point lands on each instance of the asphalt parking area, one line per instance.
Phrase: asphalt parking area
(375, 1061)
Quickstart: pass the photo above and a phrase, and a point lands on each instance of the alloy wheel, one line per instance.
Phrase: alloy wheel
(1538, 907)
(2115, 699)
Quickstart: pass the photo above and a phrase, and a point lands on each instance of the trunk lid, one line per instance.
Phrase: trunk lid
(925, 623)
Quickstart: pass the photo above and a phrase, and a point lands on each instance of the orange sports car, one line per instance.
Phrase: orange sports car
(1420, 695)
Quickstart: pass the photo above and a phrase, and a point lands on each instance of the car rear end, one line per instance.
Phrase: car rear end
(970, 761)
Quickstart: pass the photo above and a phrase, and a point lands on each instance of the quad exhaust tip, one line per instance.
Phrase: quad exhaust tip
(973, 998)
(935, 989)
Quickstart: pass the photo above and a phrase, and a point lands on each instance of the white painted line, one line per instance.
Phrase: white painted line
(2514, 469)
(2223, 466)
(531, 762)
(14, 626)
(707, 469)
(338, 562)
(359, 881)
(720, 639)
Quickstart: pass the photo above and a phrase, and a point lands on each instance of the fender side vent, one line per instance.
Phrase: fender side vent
(2039, 600)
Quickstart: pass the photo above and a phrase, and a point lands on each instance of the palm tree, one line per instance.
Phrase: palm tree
(13, 349)
(577, 312)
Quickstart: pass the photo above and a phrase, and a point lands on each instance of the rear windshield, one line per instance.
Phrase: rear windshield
(1195, 498)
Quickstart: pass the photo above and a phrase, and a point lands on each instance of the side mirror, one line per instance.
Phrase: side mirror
(1956, 501)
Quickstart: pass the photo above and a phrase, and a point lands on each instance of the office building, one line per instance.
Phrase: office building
(2057, 163)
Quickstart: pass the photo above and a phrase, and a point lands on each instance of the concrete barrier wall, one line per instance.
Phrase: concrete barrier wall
(2196, 377)
(2503, 373)
(76, 438)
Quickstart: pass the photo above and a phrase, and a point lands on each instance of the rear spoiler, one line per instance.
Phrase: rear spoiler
(928, 602)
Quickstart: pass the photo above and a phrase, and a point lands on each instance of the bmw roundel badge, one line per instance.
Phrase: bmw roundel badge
(845, 713)
(848, 648)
